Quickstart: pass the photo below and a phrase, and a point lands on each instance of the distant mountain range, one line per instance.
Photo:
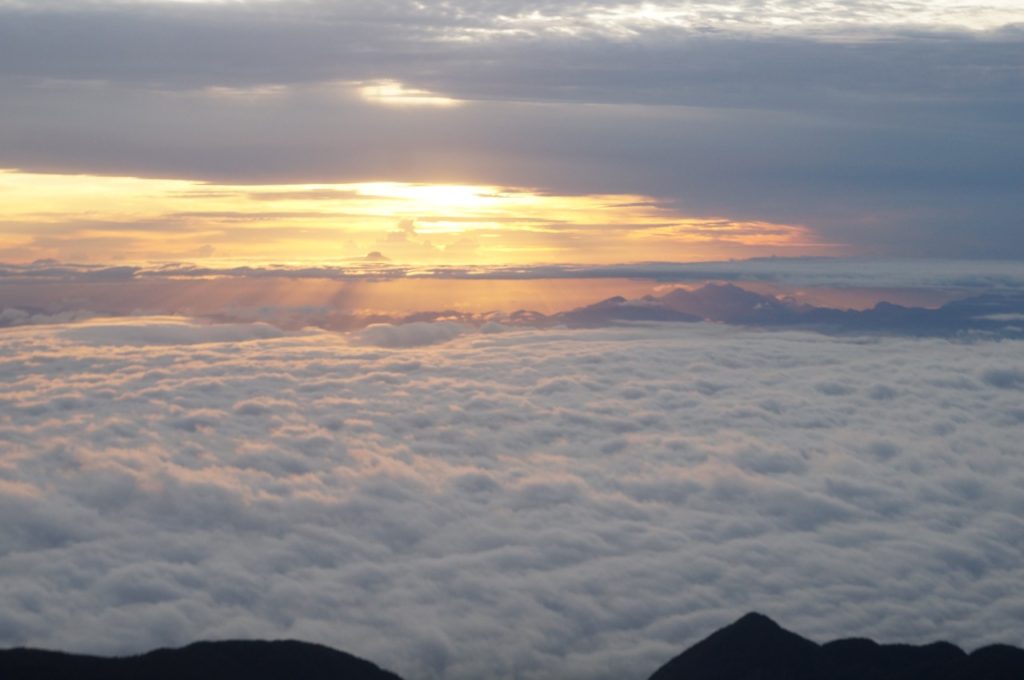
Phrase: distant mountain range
(1001, 314)
(752, 648)
(228, 660)
(757, 648)
(993, 314)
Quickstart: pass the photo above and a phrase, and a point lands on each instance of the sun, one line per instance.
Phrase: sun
(86, 218)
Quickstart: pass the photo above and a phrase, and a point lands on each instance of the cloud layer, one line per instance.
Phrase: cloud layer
(532, 504)
(887, 127)
(953, 274)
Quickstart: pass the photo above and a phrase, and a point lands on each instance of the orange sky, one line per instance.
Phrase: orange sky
(89, 218)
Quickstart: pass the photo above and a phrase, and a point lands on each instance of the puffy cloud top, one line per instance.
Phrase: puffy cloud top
(532, 504)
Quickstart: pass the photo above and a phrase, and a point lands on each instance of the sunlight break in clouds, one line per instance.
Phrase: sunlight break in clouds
(393, 93)
(540, 505)
(94, 219)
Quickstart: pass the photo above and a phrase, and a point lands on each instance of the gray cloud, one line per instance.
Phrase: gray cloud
(892, 137)
(168, 331)
(917, 298)
(541, 504)
(953, 275)
(413, 334)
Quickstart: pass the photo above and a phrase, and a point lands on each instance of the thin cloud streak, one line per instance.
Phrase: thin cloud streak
(824, 272)
(134, 220)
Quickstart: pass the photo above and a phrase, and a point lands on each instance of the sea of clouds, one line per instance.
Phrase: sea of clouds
(540, 504)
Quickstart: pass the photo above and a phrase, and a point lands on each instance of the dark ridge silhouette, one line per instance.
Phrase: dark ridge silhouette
(757, 648)
(997, 662)
(752, 648)
(998, 313)
(729, 303)
(618, 308)
(868, 659)
(228, 660)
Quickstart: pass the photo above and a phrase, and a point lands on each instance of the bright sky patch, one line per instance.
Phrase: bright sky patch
(86, 218)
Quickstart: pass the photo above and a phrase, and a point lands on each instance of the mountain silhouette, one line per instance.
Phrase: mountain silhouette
(752, 648)
(618, 308)
(1000, 313)
(729, 303)
(757, 648)
(228, 660)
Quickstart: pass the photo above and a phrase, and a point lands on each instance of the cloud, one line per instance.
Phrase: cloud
(456, 224)
(413, 334)
(534, 504)
(873, 132)
(405, 307)
(836, 272)
(165, 331)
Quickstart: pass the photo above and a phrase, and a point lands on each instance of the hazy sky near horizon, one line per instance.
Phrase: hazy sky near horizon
(509, 131)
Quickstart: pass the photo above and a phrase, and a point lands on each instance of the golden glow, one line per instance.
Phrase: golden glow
(295, 302)
(87, 218)
(393, 93)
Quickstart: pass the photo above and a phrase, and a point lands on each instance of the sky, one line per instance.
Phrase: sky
(517, 339)
(509, 131)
